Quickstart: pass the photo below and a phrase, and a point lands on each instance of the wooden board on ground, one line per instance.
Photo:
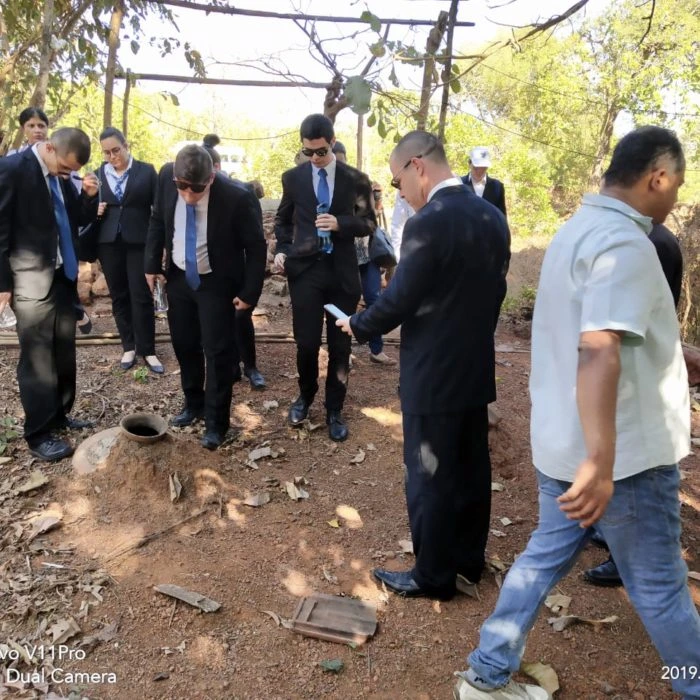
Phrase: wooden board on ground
(335, 619)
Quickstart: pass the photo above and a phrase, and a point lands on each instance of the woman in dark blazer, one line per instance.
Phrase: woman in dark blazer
(128, 188)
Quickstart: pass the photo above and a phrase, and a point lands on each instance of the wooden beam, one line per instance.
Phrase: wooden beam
(186, 4)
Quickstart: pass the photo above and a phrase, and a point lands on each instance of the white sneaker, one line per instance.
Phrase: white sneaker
(464, 690)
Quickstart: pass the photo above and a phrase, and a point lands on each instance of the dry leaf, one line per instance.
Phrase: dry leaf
(506, 521)
(106, 634)
(314, 426)
(257, 500)
(558, 602)
(498, 533)
(329, 576)
(496, 564)
(350, 516)
(287, 624)
(359, 457)
(561, 623)
(331, 665)
(5, 460)
(371, 447)
(294, 492)
(406, 546)
(544, 674)
(334, 523)
(175, 487)
(259, 453)
(35, 480)
(694, 575)
(497, 486)
(63, 630)
(269, 405)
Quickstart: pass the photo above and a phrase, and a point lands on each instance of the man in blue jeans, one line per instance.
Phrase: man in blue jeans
(610, 421)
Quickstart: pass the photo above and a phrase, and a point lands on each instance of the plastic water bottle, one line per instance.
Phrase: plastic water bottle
(7, 318)
(160, 298)
(325, 242)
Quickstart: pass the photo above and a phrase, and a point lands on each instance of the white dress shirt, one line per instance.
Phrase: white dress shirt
(449, 182)
(330, 178)
(479, 186)
(201, 208)
(47, 174)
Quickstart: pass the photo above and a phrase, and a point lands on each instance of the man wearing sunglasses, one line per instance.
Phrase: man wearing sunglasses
(40, 211)
(444, 295)
(317, 252)
(210, 228)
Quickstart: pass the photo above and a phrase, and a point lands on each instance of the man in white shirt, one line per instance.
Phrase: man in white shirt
(610, 421)
(483, 185)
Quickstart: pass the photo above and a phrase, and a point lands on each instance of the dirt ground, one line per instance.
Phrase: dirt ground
(257, 560)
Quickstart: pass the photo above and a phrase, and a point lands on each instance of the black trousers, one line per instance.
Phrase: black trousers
(245, 338)
(202, 328)
(448, 493)
(132, 303)
(46, 368)
(309, 292)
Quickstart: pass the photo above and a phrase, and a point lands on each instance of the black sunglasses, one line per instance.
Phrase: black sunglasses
(197, 188)
(320, 152)
(396, 180)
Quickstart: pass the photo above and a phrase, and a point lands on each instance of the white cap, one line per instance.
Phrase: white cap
(480, 157)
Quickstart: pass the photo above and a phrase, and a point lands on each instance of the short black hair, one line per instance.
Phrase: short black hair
(193, 164)
(339, 147)
(71, 141)
(211, 141)
(26, 114)
(317, 126)
(421, 143)
(213, 154)
(639, 151)
(111, 132)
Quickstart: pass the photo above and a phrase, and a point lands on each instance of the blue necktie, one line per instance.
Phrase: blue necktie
(65, 238)
(323, 195)
(191, 274)
(118, 185)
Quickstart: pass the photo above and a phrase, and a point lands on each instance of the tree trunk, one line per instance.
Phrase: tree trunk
(115, 24)
(447, 71)
(360, 130)
(125, 106)
(38, 99)
(432, 46)
(604, 140)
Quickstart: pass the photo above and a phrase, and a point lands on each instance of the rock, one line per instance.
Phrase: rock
(692, 362)
(85, 273)
(494, 416)
(99, 288)
(277, 285)
(84, 289)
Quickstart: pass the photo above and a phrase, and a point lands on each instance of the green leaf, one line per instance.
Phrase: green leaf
(374, 22)
(372, 119)
(455, 85)
(358, 94)
(331, 665)
(393, 79)
(134, 46)
(378, 49)
(381, 129)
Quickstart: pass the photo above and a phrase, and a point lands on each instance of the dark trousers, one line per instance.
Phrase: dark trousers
(371, 279)
(46, 368)
(448, 493)
(202, 328)
(245, 338)
(315, 287)
(132, 303)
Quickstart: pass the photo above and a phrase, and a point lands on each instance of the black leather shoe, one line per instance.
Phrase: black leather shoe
(604, 575)
(212, 439)
(85, 324)
(257, 381)
(187, 417)
(52, 449)
(599, 541)
(337, 428)
(77, 424)
(298, 412)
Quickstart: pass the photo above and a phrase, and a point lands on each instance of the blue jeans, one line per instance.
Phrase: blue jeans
(371, 278)
(642, 527)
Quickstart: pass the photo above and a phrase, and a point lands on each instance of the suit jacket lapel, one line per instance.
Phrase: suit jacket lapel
(307, 184)
(133, 175)
(340, 185)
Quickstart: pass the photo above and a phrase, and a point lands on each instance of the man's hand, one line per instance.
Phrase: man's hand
(344, 325)
(240, 304)
(5, 299)
(589, 495)
(91, 185)
(278, 264)
(151, 280)
(326, 222)
(101, 208)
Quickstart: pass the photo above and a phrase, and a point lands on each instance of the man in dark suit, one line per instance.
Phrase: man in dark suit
(211, 231)
(317, 251)
(40, 212)
(480, 183)
(444, 295)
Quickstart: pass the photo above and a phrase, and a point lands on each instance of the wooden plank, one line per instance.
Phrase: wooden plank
(335, 619)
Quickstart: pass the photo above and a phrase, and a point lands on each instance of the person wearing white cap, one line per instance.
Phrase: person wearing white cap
(489, 188)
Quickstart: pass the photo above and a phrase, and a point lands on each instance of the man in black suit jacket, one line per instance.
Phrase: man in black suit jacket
(40, 212)
(444, 294)
(480, 183)
(215, 255)
(317, 277)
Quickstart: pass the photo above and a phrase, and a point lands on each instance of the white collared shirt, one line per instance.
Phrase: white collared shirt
(330, 178)
(601, 272)
(449, 182)
(47, 174)
(201, 209)
(113, 177)
(479, 186)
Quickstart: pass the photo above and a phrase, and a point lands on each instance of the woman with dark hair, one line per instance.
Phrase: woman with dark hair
(128, 188)
(35, 128)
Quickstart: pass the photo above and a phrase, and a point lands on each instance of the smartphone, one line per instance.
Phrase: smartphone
(333, 310)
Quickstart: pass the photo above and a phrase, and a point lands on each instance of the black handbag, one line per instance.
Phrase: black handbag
(381, 252)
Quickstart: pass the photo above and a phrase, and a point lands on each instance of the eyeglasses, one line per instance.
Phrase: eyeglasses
(396, 181)
(197, 188)
(320, 152)
(107, 152)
